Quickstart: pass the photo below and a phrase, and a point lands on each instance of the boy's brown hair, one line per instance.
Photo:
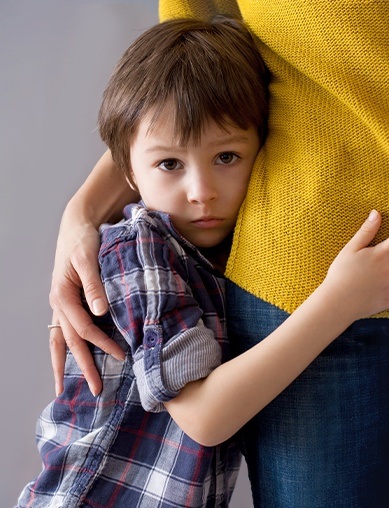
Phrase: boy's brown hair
(207, 70)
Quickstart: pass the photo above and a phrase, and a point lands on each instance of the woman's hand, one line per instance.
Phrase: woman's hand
(76, 268)
(100, 199)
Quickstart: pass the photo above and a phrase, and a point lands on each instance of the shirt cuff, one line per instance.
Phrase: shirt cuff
(162, 370)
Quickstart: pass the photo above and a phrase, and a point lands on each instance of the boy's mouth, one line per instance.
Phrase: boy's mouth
(207, 222)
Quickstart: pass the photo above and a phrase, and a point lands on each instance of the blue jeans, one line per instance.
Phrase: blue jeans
(323, 442)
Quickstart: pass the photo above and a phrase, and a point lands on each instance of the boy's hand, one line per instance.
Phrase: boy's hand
(76, 267)
(361, 272)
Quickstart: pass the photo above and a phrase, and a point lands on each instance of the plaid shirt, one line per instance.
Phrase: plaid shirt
(122, 449)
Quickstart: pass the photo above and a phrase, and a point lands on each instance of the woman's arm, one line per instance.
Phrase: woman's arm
(100, 199)
(357, 285)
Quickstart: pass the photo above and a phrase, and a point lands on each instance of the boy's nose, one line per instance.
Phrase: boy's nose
(202, 189)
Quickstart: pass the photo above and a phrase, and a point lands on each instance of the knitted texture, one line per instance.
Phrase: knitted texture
(325, 164)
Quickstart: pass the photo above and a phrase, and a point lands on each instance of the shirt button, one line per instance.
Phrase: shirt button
(151, 338)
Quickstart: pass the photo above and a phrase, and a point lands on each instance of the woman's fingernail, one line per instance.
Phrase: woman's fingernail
(99, 307)
(119, 357)
(373, 216)
(93, 390)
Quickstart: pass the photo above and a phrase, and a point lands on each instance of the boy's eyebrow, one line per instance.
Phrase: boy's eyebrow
(232, 139)
(159, 148)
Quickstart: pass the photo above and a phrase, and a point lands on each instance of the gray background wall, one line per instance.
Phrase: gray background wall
(55, 58)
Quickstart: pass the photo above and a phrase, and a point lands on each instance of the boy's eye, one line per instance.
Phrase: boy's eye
(169, 164)
(227, 158)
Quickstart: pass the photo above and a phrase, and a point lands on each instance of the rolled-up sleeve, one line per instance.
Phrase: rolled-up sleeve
(152, 304)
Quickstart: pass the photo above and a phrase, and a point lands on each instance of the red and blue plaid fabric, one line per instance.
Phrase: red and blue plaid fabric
(122, 449)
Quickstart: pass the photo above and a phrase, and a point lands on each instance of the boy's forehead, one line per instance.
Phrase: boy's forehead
(163, 124)
(162, 140)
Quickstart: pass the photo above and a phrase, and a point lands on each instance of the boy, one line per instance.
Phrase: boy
(193, 163)
(185, 134)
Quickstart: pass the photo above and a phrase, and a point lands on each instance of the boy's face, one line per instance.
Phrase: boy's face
(201, 186)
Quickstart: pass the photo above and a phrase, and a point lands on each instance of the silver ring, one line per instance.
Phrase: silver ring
(50, 327)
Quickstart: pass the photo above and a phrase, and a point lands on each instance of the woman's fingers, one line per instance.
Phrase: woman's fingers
(87, 270)
(82, 354)
(76, 337)
(77, 328)
(80, 351)
(58, 355)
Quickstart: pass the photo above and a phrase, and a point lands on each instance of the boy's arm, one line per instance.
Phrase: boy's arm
(101, 198)
(357, 285)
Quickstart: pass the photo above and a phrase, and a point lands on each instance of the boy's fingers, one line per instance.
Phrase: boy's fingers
(366, 232)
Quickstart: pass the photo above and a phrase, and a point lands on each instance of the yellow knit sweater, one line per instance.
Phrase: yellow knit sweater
(325, 164)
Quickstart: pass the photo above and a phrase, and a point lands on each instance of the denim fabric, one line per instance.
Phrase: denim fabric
(324, 442)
